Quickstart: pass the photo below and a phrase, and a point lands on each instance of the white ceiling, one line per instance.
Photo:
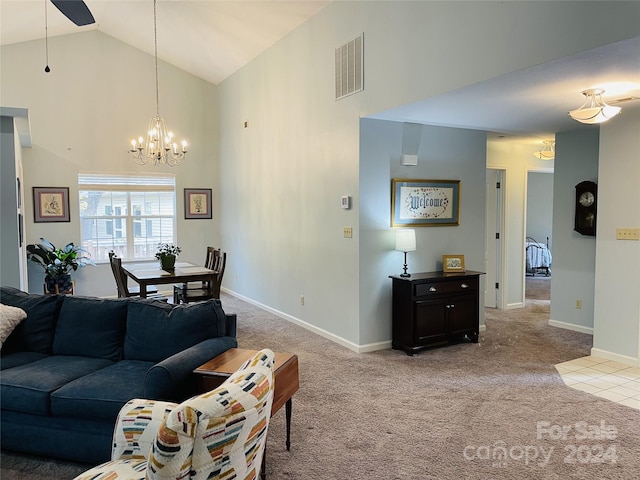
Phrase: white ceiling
(210, 39)
(213, 39)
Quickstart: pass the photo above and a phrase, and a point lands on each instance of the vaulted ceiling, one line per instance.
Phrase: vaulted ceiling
(212, 39)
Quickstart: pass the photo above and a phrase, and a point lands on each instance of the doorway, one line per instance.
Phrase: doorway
(539, 235)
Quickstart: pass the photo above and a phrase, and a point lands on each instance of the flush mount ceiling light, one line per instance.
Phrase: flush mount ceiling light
(548, 151)
(594, 110)
(160, 149)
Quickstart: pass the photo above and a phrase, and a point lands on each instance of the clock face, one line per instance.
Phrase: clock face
(586, 199)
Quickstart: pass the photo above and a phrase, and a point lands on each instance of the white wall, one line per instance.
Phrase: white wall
(616, 322)
(283, 176)
(99, 95)
(443, 154)
(574, 254)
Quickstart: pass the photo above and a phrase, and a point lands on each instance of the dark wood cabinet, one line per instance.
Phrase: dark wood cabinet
(435, 308)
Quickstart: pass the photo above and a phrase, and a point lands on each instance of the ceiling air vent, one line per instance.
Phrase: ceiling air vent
(349, 65)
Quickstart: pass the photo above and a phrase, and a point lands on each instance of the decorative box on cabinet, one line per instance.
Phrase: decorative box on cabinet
(435, 308)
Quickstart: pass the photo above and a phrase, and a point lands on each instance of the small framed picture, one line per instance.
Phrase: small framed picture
(51, 204)
(453, 263)
(197, 203)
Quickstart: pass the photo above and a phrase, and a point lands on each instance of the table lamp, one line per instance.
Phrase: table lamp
(405, 242)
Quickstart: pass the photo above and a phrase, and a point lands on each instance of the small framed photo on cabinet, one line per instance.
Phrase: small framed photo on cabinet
(453, 263)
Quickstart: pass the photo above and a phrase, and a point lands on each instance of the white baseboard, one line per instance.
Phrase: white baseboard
(571, 326)
(616, 357)
(512, 306)
(323, 333)
(367, 348)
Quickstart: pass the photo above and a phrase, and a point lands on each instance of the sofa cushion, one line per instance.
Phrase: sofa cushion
(91, 327)
(16, 359)
(156, 331)
(35, 333)
(26, 388)
(101, 394)
(10, 317)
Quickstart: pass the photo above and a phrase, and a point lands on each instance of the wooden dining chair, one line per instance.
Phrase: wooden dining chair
(197, 291)
(121, 281)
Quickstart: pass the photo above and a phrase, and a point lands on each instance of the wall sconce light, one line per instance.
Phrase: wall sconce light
(405, 242)
(548, 151)
(594, 110)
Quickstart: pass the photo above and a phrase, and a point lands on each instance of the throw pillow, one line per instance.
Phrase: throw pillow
(10, 317)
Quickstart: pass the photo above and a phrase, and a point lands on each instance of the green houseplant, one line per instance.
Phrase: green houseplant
(58, 263)
(167, 254)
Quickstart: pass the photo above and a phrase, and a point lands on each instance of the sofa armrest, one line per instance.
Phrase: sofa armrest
(173, 379)
(230, 323)
(136, 427)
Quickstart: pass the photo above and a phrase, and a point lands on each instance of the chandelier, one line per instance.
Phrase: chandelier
(159, 148)
(548, 151)
(594, 110)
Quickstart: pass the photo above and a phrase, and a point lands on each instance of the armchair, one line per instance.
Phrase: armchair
(219, 433)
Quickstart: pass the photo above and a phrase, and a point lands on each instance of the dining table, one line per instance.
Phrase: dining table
(145, 274)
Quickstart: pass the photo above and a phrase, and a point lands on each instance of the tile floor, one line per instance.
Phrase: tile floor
(605, 378)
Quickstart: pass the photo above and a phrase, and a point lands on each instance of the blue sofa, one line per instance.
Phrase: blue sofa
(68, 368)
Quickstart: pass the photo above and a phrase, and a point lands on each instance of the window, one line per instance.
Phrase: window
(129, 214)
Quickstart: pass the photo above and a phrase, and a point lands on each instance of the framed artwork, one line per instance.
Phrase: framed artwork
(424, 203)
(197, 203)
(51, 204)
(453, 263)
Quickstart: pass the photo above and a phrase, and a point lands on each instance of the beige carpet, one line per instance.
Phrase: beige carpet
(445, 413)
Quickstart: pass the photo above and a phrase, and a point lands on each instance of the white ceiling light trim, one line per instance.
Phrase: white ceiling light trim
(594, 109)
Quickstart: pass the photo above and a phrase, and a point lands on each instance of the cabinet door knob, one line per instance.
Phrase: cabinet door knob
(464, 285)
(432, 289)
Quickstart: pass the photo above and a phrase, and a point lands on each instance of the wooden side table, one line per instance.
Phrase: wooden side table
(213, 373)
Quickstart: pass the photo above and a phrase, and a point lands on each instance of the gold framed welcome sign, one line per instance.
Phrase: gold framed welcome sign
(424, 203)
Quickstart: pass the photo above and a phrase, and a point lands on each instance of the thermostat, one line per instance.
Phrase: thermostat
(345, 202)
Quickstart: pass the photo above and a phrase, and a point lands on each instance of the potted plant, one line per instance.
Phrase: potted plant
(58, 263)
(167, 254)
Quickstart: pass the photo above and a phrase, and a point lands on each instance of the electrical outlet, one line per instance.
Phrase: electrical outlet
(578, 304)
(627, 233)
(348, 232)
(301, 299)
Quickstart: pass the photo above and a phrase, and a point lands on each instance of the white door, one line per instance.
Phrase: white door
(493, 243)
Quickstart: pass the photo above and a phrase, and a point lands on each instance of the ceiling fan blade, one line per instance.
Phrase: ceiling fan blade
(76, 11)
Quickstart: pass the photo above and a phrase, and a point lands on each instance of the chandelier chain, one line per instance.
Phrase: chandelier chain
(159, 148)
(155, 40)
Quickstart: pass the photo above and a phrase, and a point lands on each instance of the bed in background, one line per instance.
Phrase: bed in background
(538, 256)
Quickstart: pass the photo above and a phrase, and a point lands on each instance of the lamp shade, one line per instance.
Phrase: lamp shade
(406, 239)
(594, 110)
